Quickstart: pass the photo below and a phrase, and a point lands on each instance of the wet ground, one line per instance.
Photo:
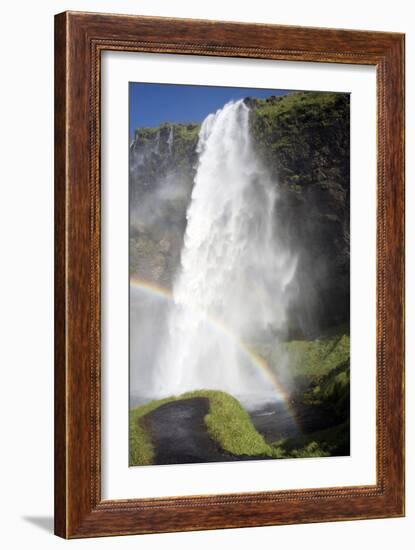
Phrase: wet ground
(179, 434)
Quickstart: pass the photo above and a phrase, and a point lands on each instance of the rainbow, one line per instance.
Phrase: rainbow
(255, 359)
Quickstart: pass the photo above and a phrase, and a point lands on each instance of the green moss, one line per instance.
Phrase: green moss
(315, 357)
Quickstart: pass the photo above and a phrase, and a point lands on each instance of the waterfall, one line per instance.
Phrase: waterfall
(232, 284)
(170, 140)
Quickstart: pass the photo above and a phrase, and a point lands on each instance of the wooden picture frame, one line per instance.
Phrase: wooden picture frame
(79, 40)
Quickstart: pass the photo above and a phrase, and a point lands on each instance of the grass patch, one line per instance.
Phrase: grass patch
(141, 448)
(230, 425)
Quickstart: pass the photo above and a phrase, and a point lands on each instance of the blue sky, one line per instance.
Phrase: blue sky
(153, 104)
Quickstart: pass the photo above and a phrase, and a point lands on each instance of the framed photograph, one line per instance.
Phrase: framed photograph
(229, 275)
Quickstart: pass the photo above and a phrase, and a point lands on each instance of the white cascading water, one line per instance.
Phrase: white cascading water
(232, 283)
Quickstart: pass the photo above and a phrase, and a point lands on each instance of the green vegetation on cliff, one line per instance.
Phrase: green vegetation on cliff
(320, 381)
(304, 137)
(167, 147)
(332, 441)
(316, 357)
(331, 391)
(309, 358)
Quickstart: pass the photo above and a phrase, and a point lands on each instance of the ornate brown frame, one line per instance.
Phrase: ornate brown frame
(79, 40)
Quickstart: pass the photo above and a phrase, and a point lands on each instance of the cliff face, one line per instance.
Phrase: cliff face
(303, 139)
(162, 169)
